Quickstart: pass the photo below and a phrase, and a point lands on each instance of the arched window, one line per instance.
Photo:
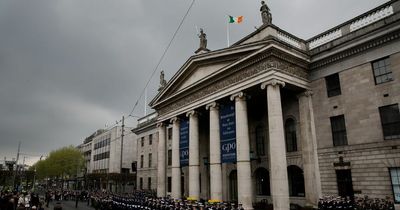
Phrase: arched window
(290, 135)
(262, 182)
(260, 146)
(296, 181)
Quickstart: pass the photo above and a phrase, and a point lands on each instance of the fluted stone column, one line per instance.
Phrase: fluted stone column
(215, 153)
(176, 165)
(277, 150)
(194, 160)
(312, 179)
(245, 191)
(161, 166)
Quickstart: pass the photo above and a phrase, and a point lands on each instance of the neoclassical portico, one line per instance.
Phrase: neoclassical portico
(244, 75)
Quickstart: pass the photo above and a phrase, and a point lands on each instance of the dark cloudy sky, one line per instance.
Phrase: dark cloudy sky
(68, 67)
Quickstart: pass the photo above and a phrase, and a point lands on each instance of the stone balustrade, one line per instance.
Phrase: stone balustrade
(325, 38)
(371, 18)
(286, 38)
(352, 25)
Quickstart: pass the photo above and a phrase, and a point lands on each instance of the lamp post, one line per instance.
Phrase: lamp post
(34, 175)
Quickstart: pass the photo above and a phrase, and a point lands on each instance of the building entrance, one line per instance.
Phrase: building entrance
(344, 183)
(233, 195)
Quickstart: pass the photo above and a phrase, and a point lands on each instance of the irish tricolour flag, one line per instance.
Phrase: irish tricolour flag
(236, 20)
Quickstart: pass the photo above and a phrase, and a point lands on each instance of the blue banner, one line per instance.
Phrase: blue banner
(227, 126)
(184, 142)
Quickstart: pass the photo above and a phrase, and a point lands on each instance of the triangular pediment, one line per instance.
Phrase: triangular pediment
(200, 70)
(198, 67)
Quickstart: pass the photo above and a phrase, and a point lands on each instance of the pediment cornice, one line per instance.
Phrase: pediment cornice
(270, 59)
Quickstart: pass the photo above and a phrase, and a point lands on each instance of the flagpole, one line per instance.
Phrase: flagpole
(145, 101)
(227, 32)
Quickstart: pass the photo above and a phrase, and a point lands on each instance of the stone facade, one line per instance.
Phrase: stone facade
(369, 154)
(285, 150)
(147, 127)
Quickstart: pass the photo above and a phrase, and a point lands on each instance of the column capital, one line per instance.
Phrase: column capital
(238, 96)
(160, 124)
(306, 93)
(212, 106)
(192, 113)
(174, 119)
(273, 82)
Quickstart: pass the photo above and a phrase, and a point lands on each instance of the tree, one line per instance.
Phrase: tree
(61, 163)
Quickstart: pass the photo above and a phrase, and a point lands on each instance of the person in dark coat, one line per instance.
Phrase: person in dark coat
(76, 199)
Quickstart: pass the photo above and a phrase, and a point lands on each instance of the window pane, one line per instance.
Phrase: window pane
(390, 119)
(385, 78)
(381, 70)
(390, 77)
(381, 63)
(395, 177)
(378, 80)
(387, 61)
(338, 130)
(260, 141)
(333, 85)
(376, 71)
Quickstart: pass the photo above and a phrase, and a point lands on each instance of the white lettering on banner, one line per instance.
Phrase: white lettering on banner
(229, 147)
(184, 153)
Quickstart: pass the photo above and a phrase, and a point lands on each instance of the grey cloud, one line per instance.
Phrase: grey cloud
(68, 67)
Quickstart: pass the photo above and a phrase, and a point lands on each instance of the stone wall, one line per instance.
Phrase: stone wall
(369, 155)
(147, 171)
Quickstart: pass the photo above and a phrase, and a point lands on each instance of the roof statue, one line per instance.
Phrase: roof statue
(163, 82)
(203, 42)
(265, 14)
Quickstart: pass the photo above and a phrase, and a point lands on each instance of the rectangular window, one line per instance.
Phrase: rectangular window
(169, 157)
(149, 183)
(338, 126)
(395, 178)
(134, 166)
(390, 119)
(169, 184)
(169, 133)
(142, 141)
(150, 160)
(260, 141)
(333, 85)
(150, 139)
(382, 72)
(141, 161)
(141, 183)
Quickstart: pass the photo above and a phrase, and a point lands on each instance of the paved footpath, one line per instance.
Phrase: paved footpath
(70, 205)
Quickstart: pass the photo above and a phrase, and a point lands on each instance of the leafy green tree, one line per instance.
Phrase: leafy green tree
(62, 163)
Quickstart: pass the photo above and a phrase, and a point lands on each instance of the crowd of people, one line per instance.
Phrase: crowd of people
(141, 200)
(20, 201)
(13, 200)
(146, 200)
(357, 203)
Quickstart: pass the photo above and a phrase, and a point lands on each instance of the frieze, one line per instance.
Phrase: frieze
(242, 72)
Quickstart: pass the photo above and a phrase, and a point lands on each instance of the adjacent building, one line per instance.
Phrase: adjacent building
(279, 118)
(109, 162)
